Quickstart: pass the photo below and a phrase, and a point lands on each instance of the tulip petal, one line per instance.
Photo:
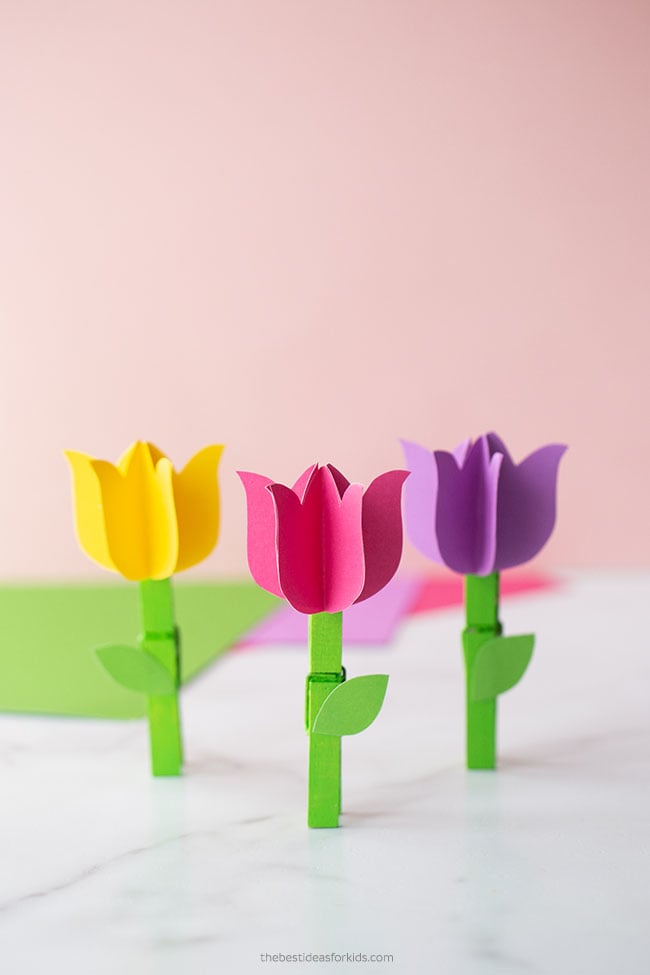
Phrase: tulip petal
(302, 483)
(496, 445)
(382, 530)
(261, 545)
(196, 495)
(466, 509)
(127, 457)
(343, 563)
(526, 505)
(341, 481)
(461, 451)
(89, 515)
(299, 546)
(139, 516)
(421, 499)
(150, 476)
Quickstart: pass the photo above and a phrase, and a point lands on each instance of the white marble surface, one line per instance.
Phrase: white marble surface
(541, 867)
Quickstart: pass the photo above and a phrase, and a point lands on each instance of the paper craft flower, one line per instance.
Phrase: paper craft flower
(324, 543)
(143, 519)
(475, 510)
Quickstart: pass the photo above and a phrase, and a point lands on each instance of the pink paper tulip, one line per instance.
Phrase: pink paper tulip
(324, 543)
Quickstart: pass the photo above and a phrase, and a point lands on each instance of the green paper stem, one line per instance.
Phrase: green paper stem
(482, 615)
(326, 672)
(160, 639)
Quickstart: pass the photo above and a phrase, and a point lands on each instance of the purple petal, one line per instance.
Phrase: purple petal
(382, 530)
(496, 445)
(526, 505)
(420, 499)
(466, 509)
(461, 451)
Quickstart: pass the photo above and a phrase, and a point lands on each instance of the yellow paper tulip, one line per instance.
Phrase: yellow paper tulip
(140, 517)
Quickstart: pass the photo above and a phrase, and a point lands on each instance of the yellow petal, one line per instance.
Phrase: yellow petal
(165, 540)
(136, 449)
(141, 529)
(196, 493)
(89, 514)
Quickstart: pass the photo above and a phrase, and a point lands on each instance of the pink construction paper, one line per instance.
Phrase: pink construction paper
(373, 621)
(442, 592)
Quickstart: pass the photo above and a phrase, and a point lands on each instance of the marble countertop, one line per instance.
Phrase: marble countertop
(540, 867)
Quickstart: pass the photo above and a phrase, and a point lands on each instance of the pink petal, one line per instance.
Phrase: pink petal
(300, 486)
(343, 556)
(299, 546)
(261, 532)
(382, 530)
(340, 480)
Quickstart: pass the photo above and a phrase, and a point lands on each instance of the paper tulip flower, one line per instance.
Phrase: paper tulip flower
(142, 519)
(323, 545)
(477, 512)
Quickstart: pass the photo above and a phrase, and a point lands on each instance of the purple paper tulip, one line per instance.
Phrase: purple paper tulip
(475, 510)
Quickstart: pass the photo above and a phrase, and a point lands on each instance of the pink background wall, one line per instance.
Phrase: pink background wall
(307, 228)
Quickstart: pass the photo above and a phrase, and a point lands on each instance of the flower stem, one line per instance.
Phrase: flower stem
(325, 664)
(482, 615)
(160, 638)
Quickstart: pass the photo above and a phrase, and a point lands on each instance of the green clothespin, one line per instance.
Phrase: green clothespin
(334, 707)
(493, 664)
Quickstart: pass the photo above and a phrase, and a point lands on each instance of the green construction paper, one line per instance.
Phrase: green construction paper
(352, 706)
(499, 664)
(49, 632)
(136, 669)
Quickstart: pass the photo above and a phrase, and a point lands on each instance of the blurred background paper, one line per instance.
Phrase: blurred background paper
(374, 622)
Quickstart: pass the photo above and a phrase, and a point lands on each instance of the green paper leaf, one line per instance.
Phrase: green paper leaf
(500, 663)
(351, 706)
(136, 669)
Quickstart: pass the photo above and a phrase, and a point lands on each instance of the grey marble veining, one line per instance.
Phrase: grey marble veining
(542, 867)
